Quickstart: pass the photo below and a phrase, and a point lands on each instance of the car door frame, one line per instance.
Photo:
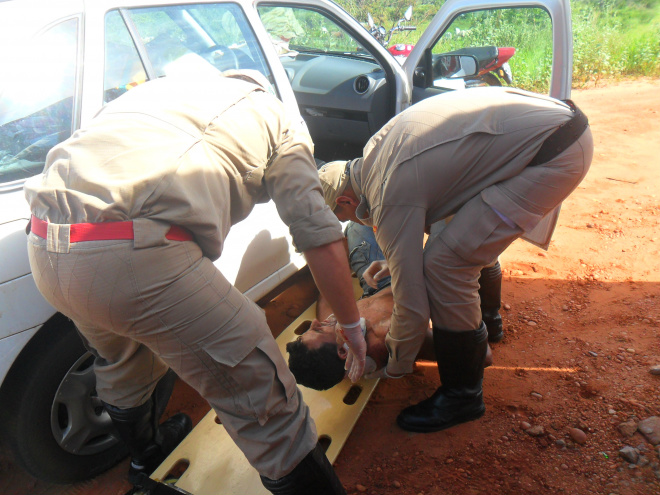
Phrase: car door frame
(562, 39)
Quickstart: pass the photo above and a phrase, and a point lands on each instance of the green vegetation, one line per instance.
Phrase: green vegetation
(611, 38)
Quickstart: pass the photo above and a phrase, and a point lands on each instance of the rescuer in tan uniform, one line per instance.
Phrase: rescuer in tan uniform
(501, 161)
(127, 218)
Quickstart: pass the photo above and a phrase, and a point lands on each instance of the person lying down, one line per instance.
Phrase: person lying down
(317, 361)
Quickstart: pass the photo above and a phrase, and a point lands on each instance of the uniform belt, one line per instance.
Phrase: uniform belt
(564, 136)
(104, 231)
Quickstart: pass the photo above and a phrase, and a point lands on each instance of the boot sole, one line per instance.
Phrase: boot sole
(493, 339)
(431, 429)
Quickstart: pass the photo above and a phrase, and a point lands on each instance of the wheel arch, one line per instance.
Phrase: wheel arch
(54, 328)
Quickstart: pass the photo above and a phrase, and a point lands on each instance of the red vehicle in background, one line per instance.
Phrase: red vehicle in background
(400, 50)
(384, 36)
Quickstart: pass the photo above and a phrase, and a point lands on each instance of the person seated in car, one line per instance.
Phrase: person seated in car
(282, 26)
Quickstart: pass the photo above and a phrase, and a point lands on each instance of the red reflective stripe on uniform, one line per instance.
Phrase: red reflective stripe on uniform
(39, 227)
(177, 233)
(104, 231)
(80, 232)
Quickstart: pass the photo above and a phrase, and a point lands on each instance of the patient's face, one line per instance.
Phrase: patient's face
(322, 332)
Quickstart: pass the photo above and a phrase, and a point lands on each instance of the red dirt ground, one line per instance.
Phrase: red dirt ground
(582, 323)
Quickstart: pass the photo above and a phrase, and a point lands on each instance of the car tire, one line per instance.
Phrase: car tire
(50, 414)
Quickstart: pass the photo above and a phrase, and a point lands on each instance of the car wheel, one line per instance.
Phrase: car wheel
(51, 416)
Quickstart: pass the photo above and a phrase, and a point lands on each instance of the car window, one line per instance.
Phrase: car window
(502, 41)
(203, 38)
(294, 29)
(123, 67)
(37, 87)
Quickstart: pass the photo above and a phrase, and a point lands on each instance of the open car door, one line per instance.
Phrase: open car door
(533, 34)
(348, 86)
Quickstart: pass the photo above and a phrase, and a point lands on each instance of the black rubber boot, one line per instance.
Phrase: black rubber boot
(161, 395)
(490, 292)
(313, 475)
(149, 443)
(461, 357)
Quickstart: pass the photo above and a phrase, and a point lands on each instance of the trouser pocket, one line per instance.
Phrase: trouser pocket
(259, 386)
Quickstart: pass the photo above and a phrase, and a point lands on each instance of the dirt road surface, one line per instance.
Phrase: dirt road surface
(582, 325)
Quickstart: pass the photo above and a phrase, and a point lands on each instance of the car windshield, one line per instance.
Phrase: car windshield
(298, 30)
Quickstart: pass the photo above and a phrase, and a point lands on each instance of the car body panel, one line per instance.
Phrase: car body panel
(12, 238)
(12, 345)
(21, 306)
(22, 312)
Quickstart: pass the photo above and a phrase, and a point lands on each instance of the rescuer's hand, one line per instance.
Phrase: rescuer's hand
(353, 335)
(377, 271)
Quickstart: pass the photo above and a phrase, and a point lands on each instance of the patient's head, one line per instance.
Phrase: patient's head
(315, 359)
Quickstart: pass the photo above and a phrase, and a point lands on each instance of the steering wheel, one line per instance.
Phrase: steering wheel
(221, 56)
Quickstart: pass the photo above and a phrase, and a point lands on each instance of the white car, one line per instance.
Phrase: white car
(62, 60)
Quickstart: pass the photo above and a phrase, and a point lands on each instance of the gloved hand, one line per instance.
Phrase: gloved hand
(377, 271)
(353, 335)
(369, 365)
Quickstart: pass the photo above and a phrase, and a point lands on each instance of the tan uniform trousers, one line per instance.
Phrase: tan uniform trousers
(438, 227)
(477, 235)
(142, 310)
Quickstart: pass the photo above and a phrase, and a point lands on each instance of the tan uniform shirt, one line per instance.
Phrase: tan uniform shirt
(198, 154)
(487, 135)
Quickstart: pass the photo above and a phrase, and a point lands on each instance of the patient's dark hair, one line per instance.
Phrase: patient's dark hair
(319, 369)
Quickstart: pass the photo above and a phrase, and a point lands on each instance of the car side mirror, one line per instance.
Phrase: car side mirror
(454, 66)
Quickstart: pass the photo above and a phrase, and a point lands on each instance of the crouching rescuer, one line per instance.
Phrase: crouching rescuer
(126, 221)
(501, 161)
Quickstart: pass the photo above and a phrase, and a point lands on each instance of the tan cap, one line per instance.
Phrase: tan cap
(334, 180)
